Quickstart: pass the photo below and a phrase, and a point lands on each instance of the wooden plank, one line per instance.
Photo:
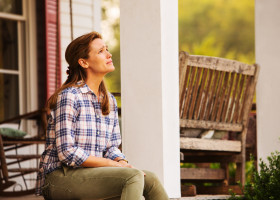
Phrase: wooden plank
(188, 190)
(210, 125)
(228, 94)
(202, 174)
(238, 100)
(3, 161)
(218, 189)
(229, 115)
(189, 92)
(220, 107)
(194, 93)
(210, 144)
(194, 158)
(24, 142)
(190, 153)
(211, 95)
(201, 91)
(217, 96)
(24, 170)
(202, 112)
(182, 100)
(245, 122)
(23, 156)
(244, 96)
(251, 91)
(183, 73)
(221, 64)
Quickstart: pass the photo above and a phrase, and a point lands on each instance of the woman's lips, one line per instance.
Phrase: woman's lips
(110, 62)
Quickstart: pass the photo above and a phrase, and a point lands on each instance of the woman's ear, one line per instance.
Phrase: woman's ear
(83, 63)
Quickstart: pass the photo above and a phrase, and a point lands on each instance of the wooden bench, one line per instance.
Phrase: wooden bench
(216, 94)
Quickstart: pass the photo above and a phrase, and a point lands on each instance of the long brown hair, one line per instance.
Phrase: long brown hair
(79, 48)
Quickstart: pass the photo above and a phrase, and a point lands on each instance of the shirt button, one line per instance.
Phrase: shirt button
(97, 116)
(98, 132)
(97, 148)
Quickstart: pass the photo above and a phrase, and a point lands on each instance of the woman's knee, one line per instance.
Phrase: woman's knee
(135, 175)
(151, 177)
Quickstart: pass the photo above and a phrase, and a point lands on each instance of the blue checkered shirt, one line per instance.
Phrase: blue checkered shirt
(77, 129)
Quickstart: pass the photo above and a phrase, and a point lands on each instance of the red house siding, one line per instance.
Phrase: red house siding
(53, 66)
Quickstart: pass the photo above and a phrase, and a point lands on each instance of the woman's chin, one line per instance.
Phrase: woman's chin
(111, 69)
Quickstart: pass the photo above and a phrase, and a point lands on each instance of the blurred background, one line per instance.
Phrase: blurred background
(220, 28)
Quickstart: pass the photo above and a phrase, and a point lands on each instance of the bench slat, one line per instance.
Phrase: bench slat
(228, 93)
(217, 98)
(201, 91)
(237, 100)
(248, 80)
(189, 92)
(221, 64)
(210, 125)
(194, 93)
(211, 95)
(202, 174)
(210, 144)
(223, 93)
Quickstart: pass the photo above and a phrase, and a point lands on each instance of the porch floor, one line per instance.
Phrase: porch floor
(198, 197)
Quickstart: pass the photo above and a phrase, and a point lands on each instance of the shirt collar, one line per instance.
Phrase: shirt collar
(85, 88)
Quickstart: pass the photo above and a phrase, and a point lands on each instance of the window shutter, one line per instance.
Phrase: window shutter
(53, 66)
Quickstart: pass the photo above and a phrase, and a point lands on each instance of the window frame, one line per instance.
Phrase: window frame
(27, 56)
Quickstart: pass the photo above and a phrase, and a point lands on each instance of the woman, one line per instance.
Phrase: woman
(82, 159)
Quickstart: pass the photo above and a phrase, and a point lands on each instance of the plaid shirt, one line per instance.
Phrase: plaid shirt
(77, 129)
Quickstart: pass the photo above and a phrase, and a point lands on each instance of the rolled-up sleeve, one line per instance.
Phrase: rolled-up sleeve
(113, 150)
(65, 127)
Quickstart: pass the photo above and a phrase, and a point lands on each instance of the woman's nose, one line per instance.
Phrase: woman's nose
(109, 55)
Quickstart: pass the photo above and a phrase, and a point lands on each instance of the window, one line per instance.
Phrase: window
(13, 52)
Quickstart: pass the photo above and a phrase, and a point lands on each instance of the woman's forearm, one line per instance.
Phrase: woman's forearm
(93, 161)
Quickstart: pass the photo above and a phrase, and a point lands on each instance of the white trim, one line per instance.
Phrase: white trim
(12, 16)
(21, 68)
(9, 71)
(31, 57)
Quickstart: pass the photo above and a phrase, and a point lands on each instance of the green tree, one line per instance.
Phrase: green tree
(222, 28)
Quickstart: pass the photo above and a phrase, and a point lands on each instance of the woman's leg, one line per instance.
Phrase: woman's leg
(153, 189)
(94, 183)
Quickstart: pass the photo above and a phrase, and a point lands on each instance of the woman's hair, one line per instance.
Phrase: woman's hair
(79, 48)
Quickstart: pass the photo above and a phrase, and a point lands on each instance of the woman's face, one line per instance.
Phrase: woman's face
(100, 60)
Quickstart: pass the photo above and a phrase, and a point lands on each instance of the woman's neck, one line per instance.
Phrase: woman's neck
(93, 83)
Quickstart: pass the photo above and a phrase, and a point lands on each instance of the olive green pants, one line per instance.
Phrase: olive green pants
(102, 183)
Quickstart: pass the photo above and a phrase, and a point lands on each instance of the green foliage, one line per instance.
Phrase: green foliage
(187, 165)
(249, 169)
(265, 184)
(219, 28)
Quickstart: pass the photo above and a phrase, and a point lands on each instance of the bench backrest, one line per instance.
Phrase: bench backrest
(215, 93)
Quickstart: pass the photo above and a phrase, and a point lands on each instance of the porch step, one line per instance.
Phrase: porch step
(202, 174)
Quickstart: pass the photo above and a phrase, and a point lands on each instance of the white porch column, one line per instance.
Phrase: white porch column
(267, 23)
(150, 88)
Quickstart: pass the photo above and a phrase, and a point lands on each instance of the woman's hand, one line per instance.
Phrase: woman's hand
(125, 164)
